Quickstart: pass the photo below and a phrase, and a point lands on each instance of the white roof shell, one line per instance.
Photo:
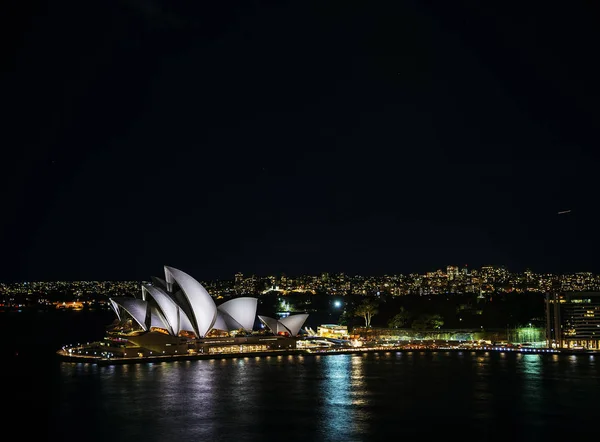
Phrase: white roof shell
(294, 322)
(220, 323)
(157, 319)
(184, 322)
(198, 304)
(181, 303)
(166, 305)
(290, 324)
(242, 311)
(115, 307)
(271, 323)
(137, 308)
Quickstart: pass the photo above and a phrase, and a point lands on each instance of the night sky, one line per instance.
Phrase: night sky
(297, 137)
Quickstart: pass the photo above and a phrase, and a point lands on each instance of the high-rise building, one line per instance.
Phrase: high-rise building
(573, 319)
(239, 279)
(452, 272)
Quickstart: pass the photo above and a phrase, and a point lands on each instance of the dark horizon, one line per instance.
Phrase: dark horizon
(297, 138)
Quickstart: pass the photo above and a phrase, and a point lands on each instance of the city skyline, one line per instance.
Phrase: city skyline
(457, 279)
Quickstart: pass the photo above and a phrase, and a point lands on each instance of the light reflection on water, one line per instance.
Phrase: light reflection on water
(344, 394)
(340, 397)
(532, 396)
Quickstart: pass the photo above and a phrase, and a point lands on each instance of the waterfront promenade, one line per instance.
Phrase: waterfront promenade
(100, 360)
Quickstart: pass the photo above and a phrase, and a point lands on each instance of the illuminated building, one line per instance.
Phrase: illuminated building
(487, 281)
(573, 320)
(288, 326)
(176, 315)
(452, 272)
(238, 281)
(332, 331)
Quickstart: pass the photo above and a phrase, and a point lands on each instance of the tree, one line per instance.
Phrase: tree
(367, 309)
(400, 320)
(435, 321)
(428, 322)
(420, 323)
(343, 319)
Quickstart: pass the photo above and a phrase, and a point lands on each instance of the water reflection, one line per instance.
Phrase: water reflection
(532, 368)
(343, 394)
(358, 391)
(189, 392)
(341, 397)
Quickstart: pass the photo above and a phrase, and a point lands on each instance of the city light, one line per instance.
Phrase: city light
(485, 282)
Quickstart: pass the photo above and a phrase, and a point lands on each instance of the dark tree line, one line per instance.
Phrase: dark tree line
(435, 311)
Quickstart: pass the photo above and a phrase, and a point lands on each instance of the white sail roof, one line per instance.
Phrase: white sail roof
(290, 324)
(198, 304)
(157, 319)
(273, 324)
(180, 303)
(166, 305)
(220, 323)
(184, 322)
(294, 322)
(137, 308)
(242, 311)
(115, 307)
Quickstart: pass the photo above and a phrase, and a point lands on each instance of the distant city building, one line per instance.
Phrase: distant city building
(452, 272)
(484, 282)
(573, 320)
(238, 280)
(332, 331)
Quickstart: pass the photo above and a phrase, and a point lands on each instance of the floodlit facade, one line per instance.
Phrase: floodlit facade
(193, 299)
(239, 313)
(179, 305)
(573, 320)
(139, 310)
(290, 325)
(332, 331)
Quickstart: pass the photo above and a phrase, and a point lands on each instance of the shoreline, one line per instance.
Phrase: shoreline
(304, 352)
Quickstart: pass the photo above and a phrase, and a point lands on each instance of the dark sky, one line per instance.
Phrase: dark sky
(297, 137)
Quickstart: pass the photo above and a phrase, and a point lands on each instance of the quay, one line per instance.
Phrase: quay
(100, 360)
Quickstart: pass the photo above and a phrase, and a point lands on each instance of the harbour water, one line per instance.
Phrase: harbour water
(351, 397)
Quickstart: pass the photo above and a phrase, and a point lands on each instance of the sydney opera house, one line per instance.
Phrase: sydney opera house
(177, 316)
